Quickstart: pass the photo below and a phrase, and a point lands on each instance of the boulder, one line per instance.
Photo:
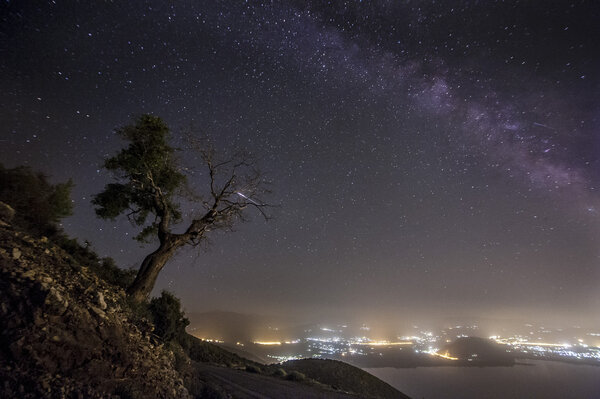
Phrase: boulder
(7, 213)
(100, 300)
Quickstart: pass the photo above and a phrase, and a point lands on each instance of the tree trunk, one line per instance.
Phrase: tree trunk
(144, 281)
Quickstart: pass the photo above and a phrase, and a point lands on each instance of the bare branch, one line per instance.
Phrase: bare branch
(234, 184)
(132, 213)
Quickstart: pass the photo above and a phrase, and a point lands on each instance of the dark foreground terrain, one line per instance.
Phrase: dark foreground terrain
(66, 332)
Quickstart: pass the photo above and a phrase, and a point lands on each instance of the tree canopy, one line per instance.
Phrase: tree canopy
(148, 177)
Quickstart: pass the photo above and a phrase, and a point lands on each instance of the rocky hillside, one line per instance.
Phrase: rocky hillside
(67, 333)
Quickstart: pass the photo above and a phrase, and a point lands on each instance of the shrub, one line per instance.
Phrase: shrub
(296, 376)
(169, 320)
(279, 372)
(140, 314)
(39, 205)
(251, 368)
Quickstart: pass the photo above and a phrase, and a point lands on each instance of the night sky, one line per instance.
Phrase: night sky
(428, 159)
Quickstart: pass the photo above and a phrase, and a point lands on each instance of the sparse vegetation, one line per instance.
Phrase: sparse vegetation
(105, 268)
(113, 274)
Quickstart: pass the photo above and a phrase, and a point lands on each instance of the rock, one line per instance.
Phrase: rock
(56, 302)
(7, 213)
(16, 253)
(100, 300)
(30, 274)
(98, 312)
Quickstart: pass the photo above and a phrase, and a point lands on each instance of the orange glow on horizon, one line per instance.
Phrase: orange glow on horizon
(444, 356)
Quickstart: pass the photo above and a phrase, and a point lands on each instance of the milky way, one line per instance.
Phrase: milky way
(426, 158)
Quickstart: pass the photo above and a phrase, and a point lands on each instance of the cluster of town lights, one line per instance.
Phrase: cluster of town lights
(424, 342)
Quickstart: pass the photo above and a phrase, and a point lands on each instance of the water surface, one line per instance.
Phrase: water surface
(539, 379)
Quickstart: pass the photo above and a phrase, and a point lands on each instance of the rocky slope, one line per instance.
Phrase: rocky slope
(65, 333)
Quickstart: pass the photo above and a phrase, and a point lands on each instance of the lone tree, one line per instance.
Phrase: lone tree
(151, 185)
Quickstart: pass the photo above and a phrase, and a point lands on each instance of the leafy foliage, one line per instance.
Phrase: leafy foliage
(147, 177)
(169, 320)
(39, 205)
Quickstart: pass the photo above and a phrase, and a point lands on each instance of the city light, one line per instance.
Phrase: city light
(267, 343)
(214, 341)
(326, 342)
(444, 356)
(383, 343)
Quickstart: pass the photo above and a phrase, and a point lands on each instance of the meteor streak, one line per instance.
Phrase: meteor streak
(542, 125)
(249, 199)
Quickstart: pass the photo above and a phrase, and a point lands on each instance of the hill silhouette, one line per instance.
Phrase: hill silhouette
(338, 374)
